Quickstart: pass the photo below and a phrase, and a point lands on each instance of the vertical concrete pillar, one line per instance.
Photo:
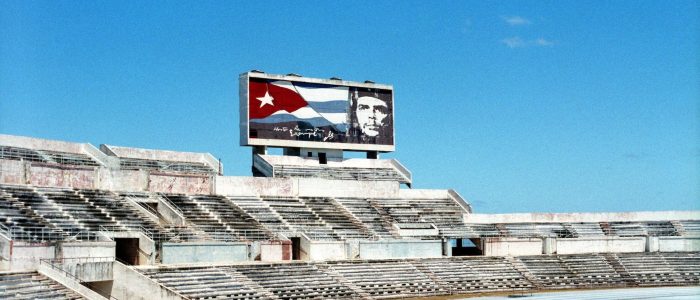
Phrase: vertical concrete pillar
(549, 245)
(652, 244)
(446, 248)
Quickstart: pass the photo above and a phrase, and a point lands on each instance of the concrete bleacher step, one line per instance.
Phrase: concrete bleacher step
(32, 285)
(613, 260)
(519, 266)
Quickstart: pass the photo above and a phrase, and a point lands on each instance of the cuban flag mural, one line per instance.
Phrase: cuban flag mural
(303, 111)
(283, 101)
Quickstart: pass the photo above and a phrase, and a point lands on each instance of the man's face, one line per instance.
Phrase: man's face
(371, 113)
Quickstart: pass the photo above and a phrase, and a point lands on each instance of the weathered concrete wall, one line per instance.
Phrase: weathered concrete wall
(600, 245)
(318, 187)
(123, 180)
(327, 250)
(89, 271)
(407, 231)
(400, 249)
(26, 256)
(130, 284)
(682, 244)
(229, 185)
(275, 250)
(210, 252)
(60, 176)
(12, 172)
(168, 183)
(511, 246)
(87, 249)
(311, 187)
(584, 217)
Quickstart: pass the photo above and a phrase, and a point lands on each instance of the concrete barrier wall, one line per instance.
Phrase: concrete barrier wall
(89, 271)
(168, 183)
(123, 180)
(26, 256)
(327, 250)
(601, 244)
(177, 253)
(87, 249)
(275, 250)
(511, 246)
(311, 187)
(682, 244)
(318, 187)
(235, 185)
(12, 172)
(400, 249)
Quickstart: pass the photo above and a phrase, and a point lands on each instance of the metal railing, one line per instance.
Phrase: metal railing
(43, 234)
(402, 170)
(263, 165)
(172, 205)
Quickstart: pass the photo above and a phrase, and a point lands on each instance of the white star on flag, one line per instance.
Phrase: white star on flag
(267, 99)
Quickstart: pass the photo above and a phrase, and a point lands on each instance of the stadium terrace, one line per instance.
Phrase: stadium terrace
(79, 221)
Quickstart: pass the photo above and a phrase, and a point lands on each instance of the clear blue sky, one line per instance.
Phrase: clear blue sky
(518, 105)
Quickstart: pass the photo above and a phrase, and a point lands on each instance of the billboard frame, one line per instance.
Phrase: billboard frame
(244, 118)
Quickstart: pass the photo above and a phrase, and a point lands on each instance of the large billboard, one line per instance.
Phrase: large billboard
(292, 111)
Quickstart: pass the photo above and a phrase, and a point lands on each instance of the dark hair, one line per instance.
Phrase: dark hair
(355, 134)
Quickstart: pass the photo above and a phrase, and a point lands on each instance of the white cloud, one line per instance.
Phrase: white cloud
(516, 20)
(518, 42)
(514, 42)
(544, 42)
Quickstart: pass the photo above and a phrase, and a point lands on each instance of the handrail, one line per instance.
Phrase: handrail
(148, 208)
(6, 230)
(269, 168)
(461, 201)
(172, 205)
(402, 170)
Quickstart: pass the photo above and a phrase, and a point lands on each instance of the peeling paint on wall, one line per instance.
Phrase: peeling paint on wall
(179, 184)
(12, 172)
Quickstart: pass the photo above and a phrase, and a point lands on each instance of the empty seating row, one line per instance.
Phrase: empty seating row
(338, 173)
(652, 269)
(243, 224)
(204, 283)
(42, 213)
(571, 271)
(165, 166)
(370, 217)
(387, 279)
(484, 274)
(341, 221)
(20, 223)
(295, 281)
(47, 156)
(32, 285)
(300, 218)
(378, 279)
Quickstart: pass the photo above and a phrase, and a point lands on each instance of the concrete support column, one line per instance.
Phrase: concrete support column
(446, 248)
(549, 245)
(652, 244)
